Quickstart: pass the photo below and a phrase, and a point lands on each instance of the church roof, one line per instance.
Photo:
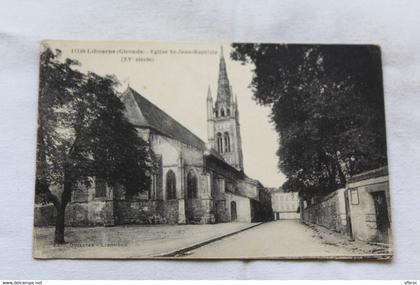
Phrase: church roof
(153, 117)
(143, 113)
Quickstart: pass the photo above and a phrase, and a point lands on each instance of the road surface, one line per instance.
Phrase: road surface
(283, 238)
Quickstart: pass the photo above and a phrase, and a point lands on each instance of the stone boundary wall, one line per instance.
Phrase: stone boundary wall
(330, 212)
(108, 213)
(97, 213)
(136, 212)
(44, 215)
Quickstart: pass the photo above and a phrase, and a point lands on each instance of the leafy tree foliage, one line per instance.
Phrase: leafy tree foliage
(327, 106)
(82, 135)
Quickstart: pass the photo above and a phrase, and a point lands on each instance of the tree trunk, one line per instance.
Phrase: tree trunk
(61, 210)
(59, 226)
(341, 175)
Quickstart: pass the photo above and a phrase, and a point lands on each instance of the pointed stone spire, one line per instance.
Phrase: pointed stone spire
(209, 98)
(210, 118)
(125, 83)
(209, 105)
(223, 86)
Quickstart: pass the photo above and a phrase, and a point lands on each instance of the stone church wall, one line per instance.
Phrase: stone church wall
(248, 189)
(169, 210)
(192, 156)
(198, 211)
(146, 212)
(136, 212)
(169, 149)
(222, 215)
(243, 207)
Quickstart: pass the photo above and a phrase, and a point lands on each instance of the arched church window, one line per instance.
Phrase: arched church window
(219, 142)
(227, 142)
(227, 112)
(222, 112)
(191, 185)
(170, 185)
(216, 113)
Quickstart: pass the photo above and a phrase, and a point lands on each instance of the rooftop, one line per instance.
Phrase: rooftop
(153, 117)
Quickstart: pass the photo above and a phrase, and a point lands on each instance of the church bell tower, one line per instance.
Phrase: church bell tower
(223, 128)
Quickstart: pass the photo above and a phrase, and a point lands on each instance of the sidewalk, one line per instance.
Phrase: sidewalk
(134, 241)
(338, 240)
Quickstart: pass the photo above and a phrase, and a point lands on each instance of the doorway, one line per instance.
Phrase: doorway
(382, 218)
(233, 213)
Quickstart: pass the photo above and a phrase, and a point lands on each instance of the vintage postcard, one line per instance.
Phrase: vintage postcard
(213, 151)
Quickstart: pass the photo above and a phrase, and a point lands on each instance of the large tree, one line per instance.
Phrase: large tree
(327, 106)
(83, 135)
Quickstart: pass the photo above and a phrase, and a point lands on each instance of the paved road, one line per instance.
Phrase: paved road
(284, 238)
(273, 239)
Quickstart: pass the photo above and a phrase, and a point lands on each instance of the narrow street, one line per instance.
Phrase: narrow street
(277, 239)
(283, 238)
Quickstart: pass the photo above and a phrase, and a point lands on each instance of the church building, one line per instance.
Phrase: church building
(196, 182)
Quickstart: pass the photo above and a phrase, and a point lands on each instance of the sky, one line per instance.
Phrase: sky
(176, 77)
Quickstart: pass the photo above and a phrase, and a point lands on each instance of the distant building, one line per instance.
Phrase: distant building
(285, 204)
(195, 182)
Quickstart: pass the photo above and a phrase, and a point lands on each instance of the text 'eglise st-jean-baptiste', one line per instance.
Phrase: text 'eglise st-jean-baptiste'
(146, 55)
(143, 51)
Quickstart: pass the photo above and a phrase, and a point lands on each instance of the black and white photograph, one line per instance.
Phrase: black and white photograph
(211, 151)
